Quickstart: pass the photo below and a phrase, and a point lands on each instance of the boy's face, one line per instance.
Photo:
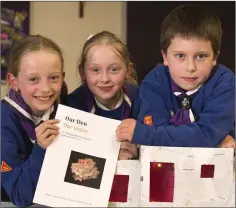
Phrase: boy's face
(190, 61)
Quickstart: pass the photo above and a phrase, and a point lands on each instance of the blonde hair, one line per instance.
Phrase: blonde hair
(108, 38)
(30, 44)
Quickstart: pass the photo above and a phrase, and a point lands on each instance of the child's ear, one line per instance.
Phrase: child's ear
(130, 70)
(215, 59)
(164, 56)
(12, 80)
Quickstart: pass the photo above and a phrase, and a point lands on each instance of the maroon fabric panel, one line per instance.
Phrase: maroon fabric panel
(119, 191)
(207, 171)
(162, 177)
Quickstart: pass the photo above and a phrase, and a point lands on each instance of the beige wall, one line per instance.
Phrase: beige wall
(60, 21)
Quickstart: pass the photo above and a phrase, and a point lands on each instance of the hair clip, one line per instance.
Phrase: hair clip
(89, 37)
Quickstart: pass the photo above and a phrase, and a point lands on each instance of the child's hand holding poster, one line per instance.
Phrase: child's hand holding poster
(79, 165)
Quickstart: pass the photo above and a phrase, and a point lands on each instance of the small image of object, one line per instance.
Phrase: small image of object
(85, 170)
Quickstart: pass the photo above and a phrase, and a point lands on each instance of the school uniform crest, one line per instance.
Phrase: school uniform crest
(148, 120)
(5, 167)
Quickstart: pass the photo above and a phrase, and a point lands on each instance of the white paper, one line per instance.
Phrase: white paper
(132, 169)
(190, 190)
(82, 135)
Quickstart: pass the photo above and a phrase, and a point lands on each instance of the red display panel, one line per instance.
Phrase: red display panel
(161, 182)
(119, 191)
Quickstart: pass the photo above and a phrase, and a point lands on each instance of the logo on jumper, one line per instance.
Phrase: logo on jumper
(148, 120)
(5, 167)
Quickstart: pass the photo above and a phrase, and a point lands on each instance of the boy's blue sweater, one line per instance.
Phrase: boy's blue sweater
(214, 105)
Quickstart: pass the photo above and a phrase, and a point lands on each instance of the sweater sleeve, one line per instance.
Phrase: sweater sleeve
(215, 120)
(19, 175)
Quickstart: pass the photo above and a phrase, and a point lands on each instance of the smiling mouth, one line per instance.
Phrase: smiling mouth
(105, 88)
(43, 98)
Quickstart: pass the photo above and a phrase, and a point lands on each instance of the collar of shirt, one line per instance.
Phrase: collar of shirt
(44, 117)
(118, 104)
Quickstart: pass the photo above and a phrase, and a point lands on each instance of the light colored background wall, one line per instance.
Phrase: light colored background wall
(60, 21)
